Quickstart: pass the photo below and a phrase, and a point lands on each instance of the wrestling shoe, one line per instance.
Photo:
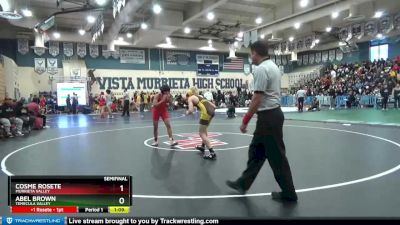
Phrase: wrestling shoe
(173, 143)
(200, 148)
(211, 156)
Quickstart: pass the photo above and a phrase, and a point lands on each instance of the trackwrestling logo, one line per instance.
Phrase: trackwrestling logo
(31, 220)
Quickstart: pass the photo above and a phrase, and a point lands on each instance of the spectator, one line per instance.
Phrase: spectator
(351, 100)
(109, 102)
(126, 103)
(30, 98)
(74, 103)
(91, 101)
(36, 99)
(33, 109)
(145, 101)
(68, 103)
(385, 96)
(332, 95)
(396, 96)
(102, 105)
(365, 78)
(314, 105)
(209, 96)
(300, 95)
(22, 113)
(142, 103)
(5, 123)
(8, 112)
(42, 104)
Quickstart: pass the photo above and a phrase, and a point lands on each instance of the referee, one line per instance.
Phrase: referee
(126, 103)
(267, 141)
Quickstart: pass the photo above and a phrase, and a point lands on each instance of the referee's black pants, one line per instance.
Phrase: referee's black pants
(126, 108)
(268, 144)
(300, 104)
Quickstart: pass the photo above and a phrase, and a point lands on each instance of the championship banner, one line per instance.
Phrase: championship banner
(305, 59)
(52, 67)
(299, 60)
(117, 6)
(284, 60)
(75, 73)
(371, 28)
(115, 54)
(311, 58)
(277, 49)
(40, 65)
(291, 46)
(357, 30)
(308, 41)
(300, 45)
(253, 36)
(332, 55)
(318, 57)
(106, 54)
(81, 49)
(132, 56)
(68, 49)
(345, 34)
(98, 28)
(246, 39)
(278, 60)
(396, 21)
(54, 48)
(283, 46)
(23, 46)
(94, 51)
(207, 65)
(177, 58)
(39, 51)
(325, 56)
(339, 55)
(386, 24)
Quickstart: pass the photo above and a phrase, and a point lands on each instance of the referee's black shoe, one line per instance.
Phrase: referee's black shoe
(236, 186)
(280, 197)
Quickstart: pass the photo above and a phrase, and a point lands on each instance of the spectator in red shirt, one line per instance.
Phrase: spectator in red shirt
(43, 104)
(34, 109)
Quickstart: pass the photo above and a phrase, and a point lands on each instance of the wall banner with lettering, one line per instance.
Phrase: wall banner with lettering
(132, 56)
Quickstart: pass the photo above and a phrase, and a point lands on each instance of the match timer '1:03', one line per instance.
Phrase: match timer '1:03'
(118, 210)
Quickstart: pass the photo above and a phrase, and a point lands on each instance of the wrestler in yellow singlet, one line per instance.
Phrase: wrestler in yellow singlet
(207, 110)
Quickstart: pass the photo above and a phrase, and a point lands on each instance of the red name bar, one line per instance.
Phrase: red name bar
(44, 209)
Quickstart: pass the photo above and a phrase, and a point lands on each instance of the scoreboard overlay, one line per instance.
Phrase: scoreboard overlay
(70, 194)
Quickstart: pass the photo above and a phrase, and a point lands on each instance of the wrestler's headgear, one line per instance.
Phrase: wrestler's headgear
(164, 88)
(191, 91)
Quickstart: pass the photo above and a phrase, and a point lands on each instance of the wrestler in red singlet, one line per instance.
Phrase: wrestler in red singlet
(160, 109)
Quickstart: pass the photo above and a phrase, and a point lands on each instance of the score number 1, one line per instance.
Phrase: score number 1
(122, 199)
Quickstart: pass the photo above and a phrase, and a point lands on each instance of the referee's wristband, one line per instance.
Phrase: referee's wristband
(247, 117)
